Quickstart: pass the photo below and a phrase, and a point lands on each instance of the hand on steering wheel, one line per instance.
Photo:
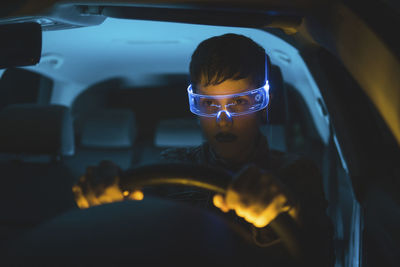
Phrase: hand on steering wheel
(100, 185)
(256, 196)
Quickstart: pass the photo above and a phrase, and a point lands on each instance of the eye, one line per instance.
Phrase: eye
(207, 103)
(240, 101)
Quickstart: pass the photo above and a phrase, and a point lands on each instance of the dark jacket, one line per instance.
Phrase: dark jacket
(300, 176)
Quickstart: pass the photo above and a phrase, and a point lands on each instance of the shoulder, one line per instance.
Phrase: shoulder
(299, 173)
(291, 163)
(280, 160)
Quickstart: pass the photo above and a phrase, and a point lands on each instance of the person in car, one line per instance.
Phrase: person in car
(229, 93)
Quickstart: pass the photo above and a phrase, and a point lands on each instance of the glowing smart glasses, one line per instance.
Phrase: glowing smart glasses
(233, 105)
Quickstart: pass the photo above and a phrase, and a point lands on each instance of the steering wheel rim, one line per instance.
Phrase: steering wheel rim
(214, 179)
(176, 174)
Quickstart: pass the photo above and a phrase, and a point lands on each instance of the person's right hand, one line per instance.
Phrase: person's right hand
(100, 185)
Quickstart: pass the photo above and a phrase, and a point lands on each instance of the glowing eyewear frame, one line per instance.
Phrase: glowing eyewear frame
(236, 104)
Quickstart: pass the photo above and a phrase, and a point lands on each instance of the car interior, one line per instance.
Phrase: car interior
(126, 124)
(117, 91)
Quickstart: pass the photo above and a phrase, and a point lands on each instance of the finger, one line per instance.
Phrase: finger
(83, 192)
(266, 217)
(254, 212)
(82, 203)
(241, 212)
(79, 198)
(219, 202)
(135, 195)
(232, 199)
(281, 203)
(92, 199)
(277, 206)
(111, 194)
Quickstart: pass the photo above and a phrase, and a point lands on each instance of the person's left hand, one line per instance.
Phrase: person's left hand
(257, 196)
(100, 185)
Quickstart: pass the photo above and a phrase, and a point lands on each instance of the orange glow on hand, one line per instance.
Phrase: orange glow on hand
(79, 197)
(255, 214)
(110, 194)
(136, 195)
(219, 202)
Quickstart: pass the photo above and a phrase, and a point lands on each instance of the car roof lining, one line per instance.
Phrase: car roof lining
(71, 14)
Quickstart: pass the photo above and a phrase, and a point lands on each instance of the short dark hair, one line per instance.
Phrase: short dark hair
(228, 56)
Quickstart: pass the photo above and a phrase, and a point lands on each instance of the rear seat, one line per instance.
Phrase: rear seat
(172, 132)
(187, 133)
(275, 134)
(21, 86)
(36, 184)
(178, 133)
(106, 134)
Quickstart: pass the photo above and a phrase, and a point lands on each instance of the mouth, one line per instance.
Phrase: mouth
(225, 137)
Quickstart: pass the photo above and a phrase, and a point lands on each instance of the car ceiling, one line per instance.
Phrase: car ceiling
(137, 51)
(129, 48)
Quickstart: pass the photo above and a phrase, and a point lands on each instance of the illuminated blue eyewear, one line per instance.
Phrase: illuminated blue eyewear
(233, 105)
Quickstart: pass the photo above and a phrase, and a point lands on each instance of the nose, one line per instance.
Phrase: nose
(224, 119)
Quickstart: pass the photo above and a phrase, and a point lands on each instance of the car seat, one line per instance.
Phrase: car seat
(106, 134)
(35, 182)
(21, 86)
(169, 133)
(181, 132)
(274, 128)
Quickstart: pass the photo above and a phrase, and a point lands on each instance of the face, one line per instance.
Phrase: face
(232, 138)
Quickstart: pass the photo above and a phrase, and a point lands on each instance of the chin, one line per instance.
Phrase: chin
(227, 151)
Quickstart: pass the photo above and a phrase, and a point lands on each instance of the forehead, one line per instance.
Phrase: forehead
(226, 88)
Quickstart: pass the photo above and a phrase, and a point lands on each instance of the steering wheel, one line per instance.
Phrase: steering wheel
(151, 229)
(214, 179)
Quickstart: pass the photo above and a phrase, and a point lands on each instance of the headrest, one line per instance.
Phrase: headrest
(110, 128)
(178, 133)
(278, 102)
(275, 135)
(34, 129)
(20, 86)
